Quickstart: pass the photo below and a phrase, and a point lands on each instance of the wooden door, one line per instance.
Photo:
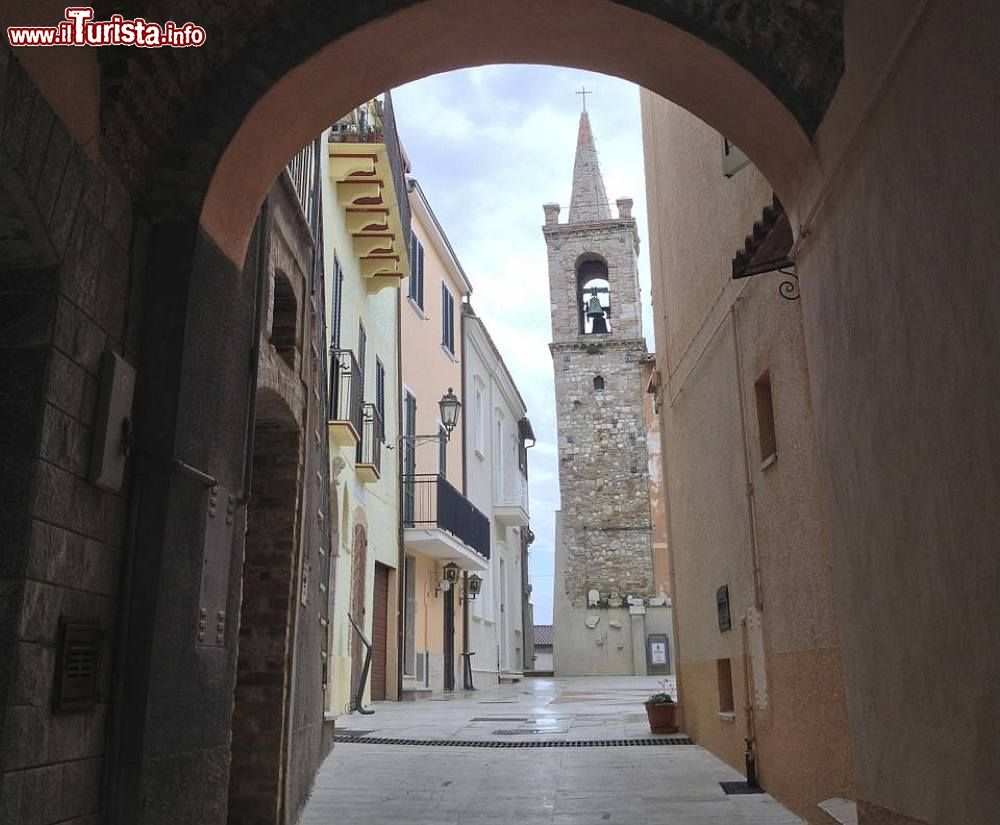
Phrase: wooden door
(380, 629)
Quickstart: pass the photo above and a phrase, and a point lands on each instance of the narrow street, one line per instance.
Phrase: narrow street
(504, 781)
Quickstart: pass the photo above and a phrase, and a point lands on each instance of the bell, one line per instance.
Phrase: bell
(594, 308)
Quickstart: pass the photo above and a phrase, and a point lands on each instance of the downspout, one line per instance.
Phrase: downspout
(466, 660)
(752, 749)
(400, 469)
(758, 599)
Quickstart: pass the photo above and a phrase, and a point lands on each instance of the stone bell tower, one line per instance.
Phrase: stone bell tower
(603, 551)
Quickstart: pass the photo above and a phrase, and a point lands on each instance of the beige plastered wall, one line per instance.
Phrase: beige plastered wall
(900, 306)
(657, 496)
(428, 372)
(761, 530)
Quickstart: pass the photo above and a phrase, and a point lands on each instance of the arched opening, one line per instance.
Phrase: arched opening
(259, 734)
(767, 96)
(593, 291)
(284, 319)
(359, 583)
(720, 79)
(598, 383)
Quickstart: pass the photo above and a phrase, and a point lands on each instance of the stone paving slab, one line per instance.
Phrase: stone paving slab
(372, 784)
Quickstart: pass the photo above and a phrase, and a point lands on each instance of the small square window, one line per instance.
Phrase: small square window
(724, 670)
(765, 420)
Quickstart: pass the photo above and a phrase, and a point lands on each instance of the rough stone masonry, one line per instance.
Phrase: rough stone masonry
(604, 534)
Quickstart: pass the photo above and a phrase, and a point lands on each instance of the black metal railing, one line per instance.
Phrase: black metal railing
(303, 169)
(430, 501)
(346, 386)
(372, 435)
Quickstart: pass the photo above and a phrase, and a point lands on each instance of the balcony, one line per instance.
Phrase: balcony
(369, 463)
(510, 497)
(345, 399)
(442, 523)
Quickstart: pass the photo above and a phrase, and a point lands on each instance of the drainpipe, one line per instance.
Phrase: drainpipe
(758, 599)
(749, 756)
(401, 553)
(751, 736)
(466, 659)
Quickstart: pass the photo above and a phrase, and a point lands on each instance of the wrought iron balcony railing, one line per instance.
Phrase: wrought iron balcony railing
(372, 436)
(429, 501)
(346, 387)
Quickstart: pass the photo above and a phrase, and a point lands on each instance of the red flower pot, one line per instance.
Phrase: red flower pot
(662, 717)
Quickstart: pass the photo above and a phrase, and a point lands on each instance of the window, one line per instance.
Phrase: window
(733, 160)
(409, 458)
(498, 462)
(479, 416)
(598, 382)
(765, 420)
(724, 670)
(442, 451)
(284, 320)
(362, 349)
(415, 287)
(447, 320)
(338, 300)
(380, 394)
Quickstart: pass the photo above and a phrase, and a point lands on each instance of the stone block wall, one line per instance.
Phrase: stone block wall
(66, 295)
(617, 243)
(603, 471)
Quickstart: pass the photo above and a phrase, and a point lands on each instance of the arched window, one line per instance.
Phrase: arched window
(598, 382)
(284, 321)
(593, 297)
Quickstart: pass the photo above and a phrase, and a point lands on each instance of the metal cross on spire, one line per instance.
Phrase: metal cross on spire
(583, 92)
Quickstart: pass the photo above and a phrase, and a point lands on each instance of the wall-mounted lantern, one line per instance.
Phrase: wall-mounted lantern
(473, 585)
(451, 572)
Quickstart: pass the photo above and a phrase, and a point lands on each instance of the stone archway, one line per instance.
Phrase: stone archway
(359, 588)
(259, 734)
(893, 213)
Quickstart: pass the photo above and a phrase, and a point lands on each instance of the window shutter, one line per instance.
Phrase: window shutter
(420, 275)
(338, 292)
(380, 393)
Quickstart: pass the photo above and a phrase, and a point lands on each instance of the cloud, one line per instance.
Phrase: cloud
(490, 145)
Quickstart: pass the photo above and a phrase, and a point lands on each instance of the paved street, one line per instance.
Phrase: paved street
(676, 784)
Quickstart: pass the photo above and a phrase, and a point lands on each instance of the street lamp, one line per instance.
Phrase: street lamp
(449, 406)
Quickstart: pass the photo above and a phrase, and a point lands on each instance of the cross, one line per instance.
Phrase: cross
(583, 91)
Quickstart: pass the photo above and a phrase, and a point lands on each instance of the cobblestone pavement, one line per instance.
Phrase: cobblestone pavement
(371, 784)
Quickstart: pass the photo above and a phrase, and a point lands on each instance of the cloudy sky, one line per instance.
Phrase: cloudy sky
(489, 146)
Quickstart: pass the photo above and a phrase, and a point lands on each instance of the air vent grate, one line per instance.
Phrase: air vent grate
(565, 743)
(78, 665)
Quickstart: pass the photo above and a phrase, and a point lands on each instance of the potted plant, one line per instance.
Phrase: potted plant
(661, 710)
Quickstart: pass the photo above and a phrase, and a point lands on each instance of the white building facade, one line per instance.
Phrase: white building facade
(497, 436)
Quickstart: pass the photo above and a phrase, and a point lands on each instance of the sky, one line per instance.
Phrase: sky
(489, 146)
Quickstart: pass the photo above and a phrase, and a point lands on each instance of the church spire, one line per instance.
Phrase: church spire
(590, 199)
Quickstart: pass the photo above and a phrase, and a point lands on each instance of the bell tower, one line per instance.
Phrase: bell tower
(603, 549)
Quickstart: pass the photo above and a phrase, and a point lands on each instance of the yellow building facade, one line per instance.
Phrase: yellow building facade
(366, 259)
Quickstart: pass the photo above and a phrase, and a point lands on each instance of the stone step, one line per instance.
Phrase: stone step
(413, 694)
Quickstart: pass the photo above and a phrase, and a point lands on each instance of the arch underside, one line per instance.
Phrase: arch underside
(171, 116)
